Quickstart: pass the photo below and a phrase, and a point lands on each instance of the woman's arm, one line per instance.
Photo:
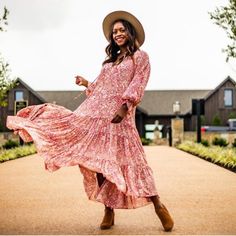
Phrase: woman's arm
(134, 92)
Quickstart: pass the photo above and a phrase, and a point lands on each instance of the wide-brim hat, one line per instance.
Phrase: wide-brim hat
(123, 15)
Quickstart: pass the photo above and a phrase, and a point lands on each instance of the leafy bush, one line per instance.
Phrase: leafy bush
(216, 120)
(232, 115)
(17, 152)
(234, 143)
(222, 155)
(220, 142)
(146, 141)
(205, 143)
(10, 144)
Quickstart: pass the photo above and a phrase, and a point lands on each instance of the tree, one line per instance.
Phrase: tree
(3, 19)
(225, 17)
(6, 83)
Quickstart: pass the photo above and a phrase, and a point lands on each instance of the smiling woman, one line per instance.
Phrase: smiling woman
(100, 136)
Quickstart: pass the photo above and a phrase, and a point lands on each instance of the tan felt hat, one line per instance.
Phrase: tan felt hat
(123, 15)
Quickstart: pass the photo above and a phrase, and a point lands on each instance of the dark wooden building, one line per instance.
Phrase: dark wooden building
(221, 102)
(22, 95)
(155, 105)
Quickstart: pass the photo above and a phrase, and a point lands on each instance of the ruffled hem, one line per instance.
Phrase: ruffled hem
(64, 138)
(111, 196)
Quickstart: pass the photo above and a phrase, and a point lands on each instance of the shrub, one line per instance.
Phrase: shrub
(17, 152)
(220, 142)
(146, 141)
(205, 143)
(216, 120)
(232, 115)
(10, 144)
(234, 143)
(222, 155)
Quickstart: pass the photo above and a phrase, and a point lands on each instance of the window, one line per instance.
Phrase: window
(19, 96)
(228, 97)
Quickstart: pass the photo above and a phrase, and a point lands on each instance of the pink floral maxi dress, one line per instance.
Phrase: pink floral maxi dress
(87, 138)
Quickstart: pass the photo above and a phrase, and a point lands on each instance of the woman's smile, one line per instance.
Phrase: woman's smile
(120, 39)
(119, 34)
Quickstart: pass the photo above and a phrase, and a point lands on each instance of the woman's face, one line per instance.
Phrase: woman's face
(119, 34)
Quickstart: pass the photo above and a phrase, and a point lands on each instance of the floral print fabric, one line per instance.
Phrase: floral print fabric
(87, 138)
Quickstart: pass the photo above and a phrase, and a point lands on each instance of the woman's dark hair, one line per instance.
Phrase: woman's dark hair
(132, 44)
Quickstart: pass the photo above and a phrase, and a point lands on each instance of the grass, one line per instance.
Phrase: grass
(14, 153)
(225, 156)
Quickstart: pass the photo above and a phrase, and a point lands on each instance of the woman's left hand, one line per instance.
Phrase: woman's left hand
(120, 114)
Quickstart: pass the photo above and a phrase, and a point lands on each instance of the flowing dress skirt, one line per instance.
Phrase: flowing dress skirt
(87, 138)
(63, 138)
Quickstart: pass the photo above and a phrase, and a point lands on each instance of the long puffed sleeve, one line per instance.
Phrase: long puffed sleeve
(90, 88)
(134, 92)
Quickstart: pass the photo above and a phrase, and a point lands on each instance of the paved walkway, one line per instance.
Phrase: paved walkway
(200, 196)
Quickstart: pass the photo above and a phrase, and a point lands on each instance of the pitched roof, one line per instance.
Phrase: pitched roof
(69, 99)
(160, 102)
(228, 78)
(154, 102)
(36, 94)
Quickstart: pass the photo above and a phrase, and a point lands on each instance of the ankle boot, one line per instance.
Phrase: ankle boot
(164, 217)
(108, 219)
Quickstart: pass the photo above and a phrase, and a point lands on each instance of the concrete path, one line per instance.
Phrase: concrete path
(200, 196)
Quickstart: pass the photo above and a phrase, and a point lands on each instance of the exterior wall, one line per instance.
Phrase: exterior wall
(9, 110)
(166, 121)
(209, 136)
(215, 105)
(188, 122)
(163, 120)
(140, 118)
(3, 114)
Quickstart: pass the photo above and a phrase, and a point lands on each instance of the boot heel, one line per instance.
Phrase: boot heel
(165, 218)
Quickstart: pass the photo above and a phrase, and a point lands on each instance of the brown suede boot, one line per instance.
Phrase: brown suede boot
(108, 219)
(165, 217)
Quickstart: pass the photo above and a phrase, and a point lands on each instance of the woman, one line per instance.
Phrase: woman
(100, 136)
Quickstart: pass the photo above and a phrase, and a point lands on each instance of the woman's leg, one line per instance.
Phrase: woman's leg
(108, 219)
(156, 202)
(162, 213)
(100, 179)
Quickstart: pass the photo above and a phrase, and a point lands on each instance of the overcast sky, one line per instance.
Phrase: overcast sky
(48, 42)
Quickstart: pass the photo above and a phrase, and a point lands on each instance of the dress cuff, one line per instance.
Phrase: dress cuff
(88, 90)
(129, 105)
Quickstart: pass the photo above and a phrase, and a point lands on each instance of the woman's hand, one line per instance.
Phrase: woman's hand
(81, 81)
(120, 114)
